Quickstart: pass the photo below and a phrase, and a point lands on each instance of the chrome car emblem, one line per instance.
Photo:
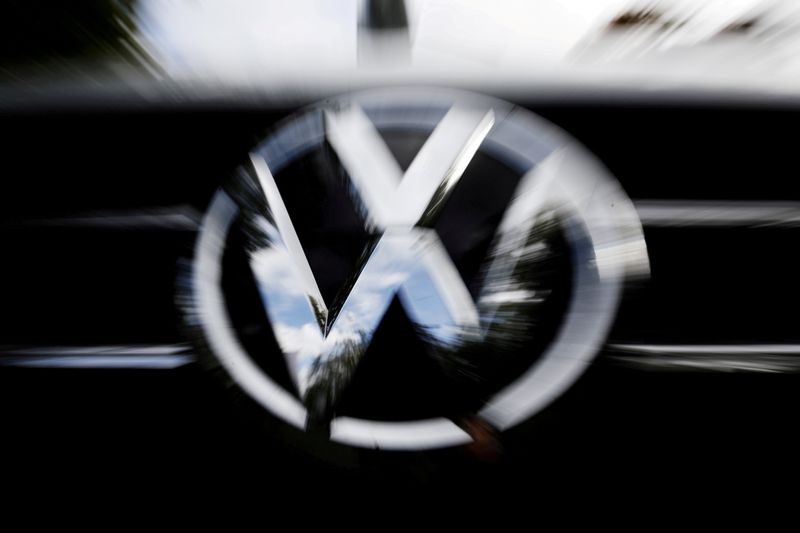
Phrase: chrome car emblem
(558, 183)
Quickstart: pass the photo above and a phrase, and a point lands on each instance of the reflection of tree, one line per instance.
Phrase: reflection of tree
(249, 197)
(518, 315)
(330, 376)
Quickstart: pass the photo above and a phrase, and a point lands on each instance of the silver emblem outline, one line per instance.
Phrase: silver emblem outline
(603, 229)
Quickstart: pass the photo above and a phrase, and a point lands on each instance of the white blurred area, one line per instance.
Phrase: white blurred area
(741, 44)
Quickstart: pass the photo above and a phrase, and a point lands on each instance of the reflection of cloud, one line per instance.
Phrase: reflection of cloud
(301, 347)
(286, 298)
(302, 342)
(294, 321)
(273, 264)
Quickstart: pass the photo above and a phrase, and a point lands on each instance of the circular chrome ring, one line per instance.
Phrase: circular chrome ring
(603, 230)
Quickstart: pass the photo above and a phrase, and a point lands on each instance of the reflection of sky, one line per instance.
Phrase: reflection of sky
(292, 315)
(401, 262)
(398, 260)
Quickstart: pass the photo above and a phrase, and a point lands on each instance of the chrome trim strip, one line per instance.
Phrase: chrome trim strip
(727, 349)
(764, 358)
(652, 213)
(676, 213)
(120, 356)
(175, 218)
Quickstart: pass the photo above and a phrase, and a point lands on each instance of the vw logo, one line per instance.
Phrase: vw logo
(491, 236)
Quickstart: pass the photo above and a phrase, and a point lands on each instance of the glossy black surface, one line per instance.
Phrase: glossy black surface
(94, 285)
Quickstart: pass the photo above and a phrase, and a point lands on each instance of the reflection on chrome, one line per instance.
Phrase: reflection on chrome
(389, 197)
(762, 358)
(694, 213)
(406, 258)
(323, 346)
(561, 191)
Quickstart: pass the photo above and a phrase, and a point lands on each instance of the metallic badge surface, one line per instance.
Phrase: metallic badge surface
(498, 241)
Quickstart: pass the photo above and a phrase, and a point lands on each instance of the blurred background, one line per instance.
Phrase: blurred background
(750, 44)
